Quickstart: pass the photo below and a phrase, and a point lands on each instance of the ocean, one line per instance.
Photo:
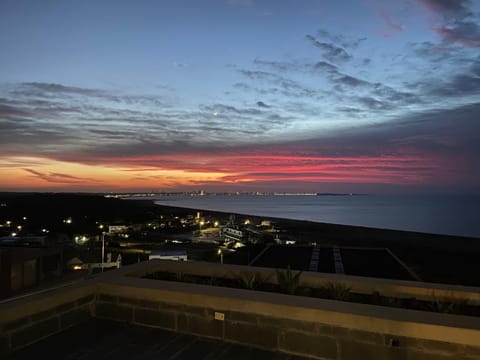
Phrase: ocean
(449, 215)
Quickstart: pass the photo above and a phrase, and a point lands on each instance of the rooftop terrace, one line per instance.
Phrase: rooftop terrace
(120, 314)
(106, 339)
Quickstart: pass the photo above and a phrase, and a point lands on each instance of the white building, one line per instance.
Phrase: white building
(179, 255)
(234, 234)
(88, 261)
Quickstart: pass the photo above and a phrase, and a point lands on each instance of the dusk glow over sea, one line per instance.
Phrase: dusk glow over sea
(240, 95)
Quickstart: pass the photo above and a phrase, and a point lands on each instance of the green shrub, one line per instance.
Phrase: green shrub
(447, 305)
(249, 280)
(337, 291)
(288, 280)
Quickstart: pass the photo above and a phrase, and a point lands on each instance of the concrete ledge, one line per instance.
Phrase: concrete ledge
(358, 284)
(368, 318)
(322, 329)
(30, 319)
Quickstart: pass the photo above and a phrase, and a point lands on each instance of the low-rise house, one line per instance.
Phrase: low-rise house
(180, 255)
(93, 261)
(23, 267)
(232, 234)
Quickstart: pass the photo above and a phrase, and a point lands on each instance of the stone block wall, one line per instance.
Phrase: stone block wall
(26, 330)
(316, 328)
(312, 339)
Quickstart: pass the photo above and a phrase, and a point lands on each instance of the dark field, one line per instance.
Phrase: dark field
(373, 263)
(325, 260)
(378, 263)
(295, 257)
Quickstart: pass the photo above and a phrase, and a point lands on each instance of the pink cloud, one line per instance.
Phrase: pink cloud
(454, 23)
(387, 19)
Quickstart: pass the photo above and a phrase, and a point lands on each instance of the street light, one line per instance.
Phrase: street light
(220, 252)
(103, 247)
(101, 226)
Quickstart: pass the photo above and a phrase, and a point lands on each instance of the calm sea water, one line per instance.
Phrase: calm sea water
(451, 215)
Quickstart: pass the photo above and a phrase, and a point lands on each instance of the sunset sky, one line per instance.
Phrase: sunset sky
(279, 95)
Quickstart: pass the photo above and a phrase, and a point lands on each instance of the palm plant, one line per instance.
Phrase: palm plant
(288, 280)
(252, 280)
(337, 291)
(447, 305)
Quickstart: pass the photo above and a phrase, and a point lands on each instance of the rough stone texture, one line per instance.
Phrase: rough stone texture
(302, 326)
(13, 325)
(199, 311)
(244, 317)
(472, 351)
(400, 341)
(35, 332)
(75, 316)
(314, 345)
(107, 298)
(104, 339)
(439, 347)
(266, 337)
(351, 350)
(162, 319)
(367, 337)
(114, 312)
(421, 355)
(268, 321)
(333, 331)
(170, 307)
(191, 324)
(139, 302)
(86, 300)
(53, 311)
(4, 345)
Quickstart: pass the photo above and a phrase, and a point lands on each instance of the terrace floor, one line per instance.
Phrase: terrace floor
(103, 339)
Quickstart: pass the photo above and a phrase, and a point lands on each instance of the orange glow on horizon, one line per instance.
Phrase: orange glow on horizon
(174, 171)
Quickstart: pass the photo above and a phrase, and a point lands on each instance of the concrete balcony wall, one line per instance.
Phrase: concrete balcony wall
(28, 319)
(322, 329)
(358, 284)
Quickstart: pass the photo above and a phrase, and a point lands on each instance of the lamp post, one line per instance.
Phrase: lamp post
(103, 248)
(220, 252)
(103, 244)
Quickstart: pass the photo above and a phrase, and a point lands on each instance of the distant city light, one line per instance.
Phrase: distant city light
(19, 227)
(14, 234)
(77, 267)
(24, 218)
(67, 221)
(8, 222)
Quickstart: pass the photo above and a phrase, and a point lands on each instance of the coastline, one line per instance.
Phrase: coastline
(436, 258)
(438, 214)
(343, 232)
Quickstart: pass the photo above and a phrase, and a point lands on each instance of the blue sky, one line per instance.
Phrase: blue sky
(344, 95)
